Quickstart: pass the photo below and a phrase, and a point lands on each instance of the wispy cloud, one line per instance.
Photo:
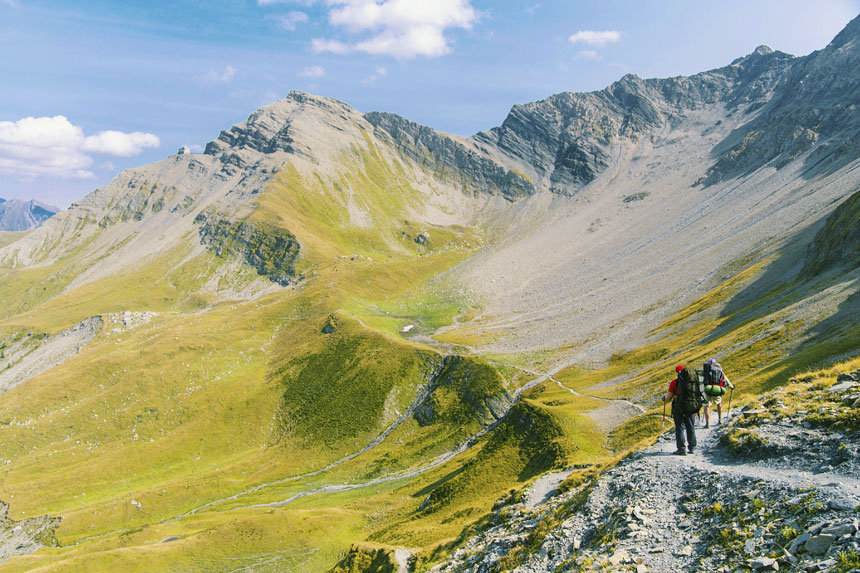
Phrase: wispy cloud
(380, 73)
(595, 38)
(534, 8)
(319, 45)
(403, 29)
(588, 55)
(54, 146)
(224, 76)
(292, 20)
(312, 72)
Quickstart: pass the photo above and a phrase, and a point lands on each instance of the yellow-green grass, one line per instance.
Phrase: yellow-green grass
(170, 282)
(282, 540)
(202, 386)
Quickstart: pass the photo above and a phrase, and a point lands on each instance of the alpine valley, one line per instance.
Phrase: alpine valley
(345, 341)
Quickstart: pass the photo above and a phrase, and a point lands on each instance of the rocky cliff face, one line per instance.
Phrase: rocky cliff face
(566, 140)
(18, 215)
(271, 251)
(450, 159)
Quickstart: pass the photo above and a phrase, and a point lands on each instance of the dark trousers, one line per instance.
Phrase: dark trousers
(684, 424)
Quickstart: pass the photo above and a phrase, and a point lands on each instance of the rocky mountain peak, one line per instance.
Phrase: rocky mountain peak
(848, 35)
(271, 128)
(763, 50)
(20, 215)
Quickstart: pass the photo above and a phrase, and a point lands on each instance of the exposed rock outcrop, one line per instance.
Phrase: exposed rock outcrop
(838, 241)
(270, 250)
(465, 389)
(26, 535)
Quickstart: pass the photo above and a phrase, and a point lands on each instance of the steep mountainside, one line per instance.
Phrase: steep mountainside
(340, 340)
(18, 215)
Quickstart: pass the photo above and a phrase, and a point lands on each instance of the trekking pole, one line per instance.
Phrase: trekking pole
(729, 409)
(663, 430)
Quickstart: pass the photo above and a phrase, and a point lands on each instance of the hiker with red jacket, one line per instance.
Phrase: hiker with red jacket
(716, 385)
(685, 405)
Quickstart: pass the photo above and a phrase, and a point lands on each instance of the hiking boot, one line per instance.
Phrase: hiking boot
(680, 453)
(708, 425)
(691, 450)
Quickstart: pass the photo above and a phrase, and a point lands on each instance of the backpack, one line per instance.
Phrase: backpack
(691, 391)
(714, 379)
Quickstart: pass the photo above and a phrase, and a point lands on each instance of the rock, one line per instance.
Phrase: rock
(749, 546)
(618, 557)
(849, 377)
(825, 565)
(641, 568)
(819, 544)
(842, 504)
(842, 387)
(331, 325)
(840, 529)
(685, 551)
(762, 562)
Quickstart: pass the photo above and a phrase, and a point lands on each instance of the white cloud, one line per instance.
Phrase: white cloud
(119, 143)
(194, 148)
(588, 55)
(380, 73)
(400, 28)
(291, 20)
(312, 72)
(54, 146)
(595, 38)
(319, 45)
(226, 76)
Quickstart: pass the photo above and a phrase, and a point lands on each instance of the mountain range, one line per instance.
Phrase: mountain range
(337, 338)
(19, 215)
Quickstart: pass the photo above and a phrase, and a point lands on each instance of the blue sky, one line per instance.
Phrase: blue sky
(91, 88)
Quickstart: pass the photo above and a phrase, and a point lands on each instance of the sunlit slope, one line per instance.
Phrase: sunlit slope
(188, 425)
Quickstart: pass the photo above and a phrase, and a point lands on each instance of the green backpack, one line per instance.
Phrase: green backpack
(691, 391)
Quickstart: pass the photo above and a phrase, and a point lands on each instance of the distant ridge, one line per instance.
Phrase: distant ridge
(20, 215)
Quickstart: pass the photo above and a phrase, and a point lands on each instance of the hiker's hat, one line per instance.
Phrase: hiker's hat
(678, 368)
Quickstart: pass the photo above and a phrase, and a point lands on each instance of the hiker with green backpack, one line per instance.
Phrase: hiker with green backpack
(686, 392)
(716, 385)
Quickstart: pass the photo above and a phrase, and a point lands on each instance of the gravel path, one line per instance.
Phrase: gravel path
(655, 512)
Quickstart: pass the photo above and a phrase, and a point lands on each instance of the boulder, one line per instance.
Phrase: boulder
(819, 544)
